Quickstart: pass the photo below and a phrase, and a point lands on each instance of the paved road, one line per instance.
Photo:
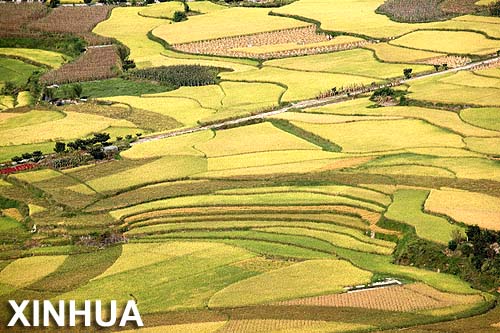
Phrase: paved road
(308, 103)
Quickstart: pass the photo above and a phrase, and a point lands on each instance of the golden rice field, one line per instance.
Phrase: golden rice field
(287, 282)
(456, 42)
(252, 20)
(436, 90)
(187, 111)
(383, 135)
(74, 125)
(444, 119)
(180, 145)
(482, 117)
(475, 208)
(300, 85)
(265, 137)
(391, 53)
(164, 10)
(167, 168)
(360, 17)
(48, 58)
(488, 146)
(355, 62)
(25, 271)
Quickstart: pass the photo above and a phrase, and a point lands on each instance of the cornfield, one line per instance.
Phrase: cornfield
(301, 36)
(96, 63)
(180, 75)
(75, 20)
(412, 11)
(13, 17)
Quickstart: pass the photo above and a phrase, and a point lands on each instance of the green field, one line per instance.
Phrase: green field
(407, 208)
(15, 71)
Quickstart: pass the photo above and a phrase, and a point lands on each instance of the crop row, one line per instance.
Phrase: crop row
(14, 16)
(408, 298)
(75, 20)
(95, 64)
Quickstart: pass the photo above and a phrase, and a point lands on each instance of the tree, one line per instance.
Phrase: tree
(16, 159)
(60, 147)
(179, 16)
(77, 90)
(26, 156)
(97, 152)
(87, 2)
(101, 137)
(37, 155)
(494, 8)
(54, 3)
(407, 72)
(382, 92)
(436, 67)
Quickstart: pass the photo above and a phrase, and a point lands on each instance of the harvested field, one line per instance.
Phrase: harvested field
(95, 64)
(450, 61)
(475, 208)
(406, 298)
(289, 326)
(242, 46)
(75, 20)
(205, 327)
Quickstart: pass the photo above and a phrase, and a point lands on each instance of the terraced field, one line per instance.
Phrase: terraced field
(293, 222)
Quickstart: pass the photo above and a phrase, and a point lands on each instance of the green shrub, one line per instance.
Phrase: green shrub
(179, 16)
